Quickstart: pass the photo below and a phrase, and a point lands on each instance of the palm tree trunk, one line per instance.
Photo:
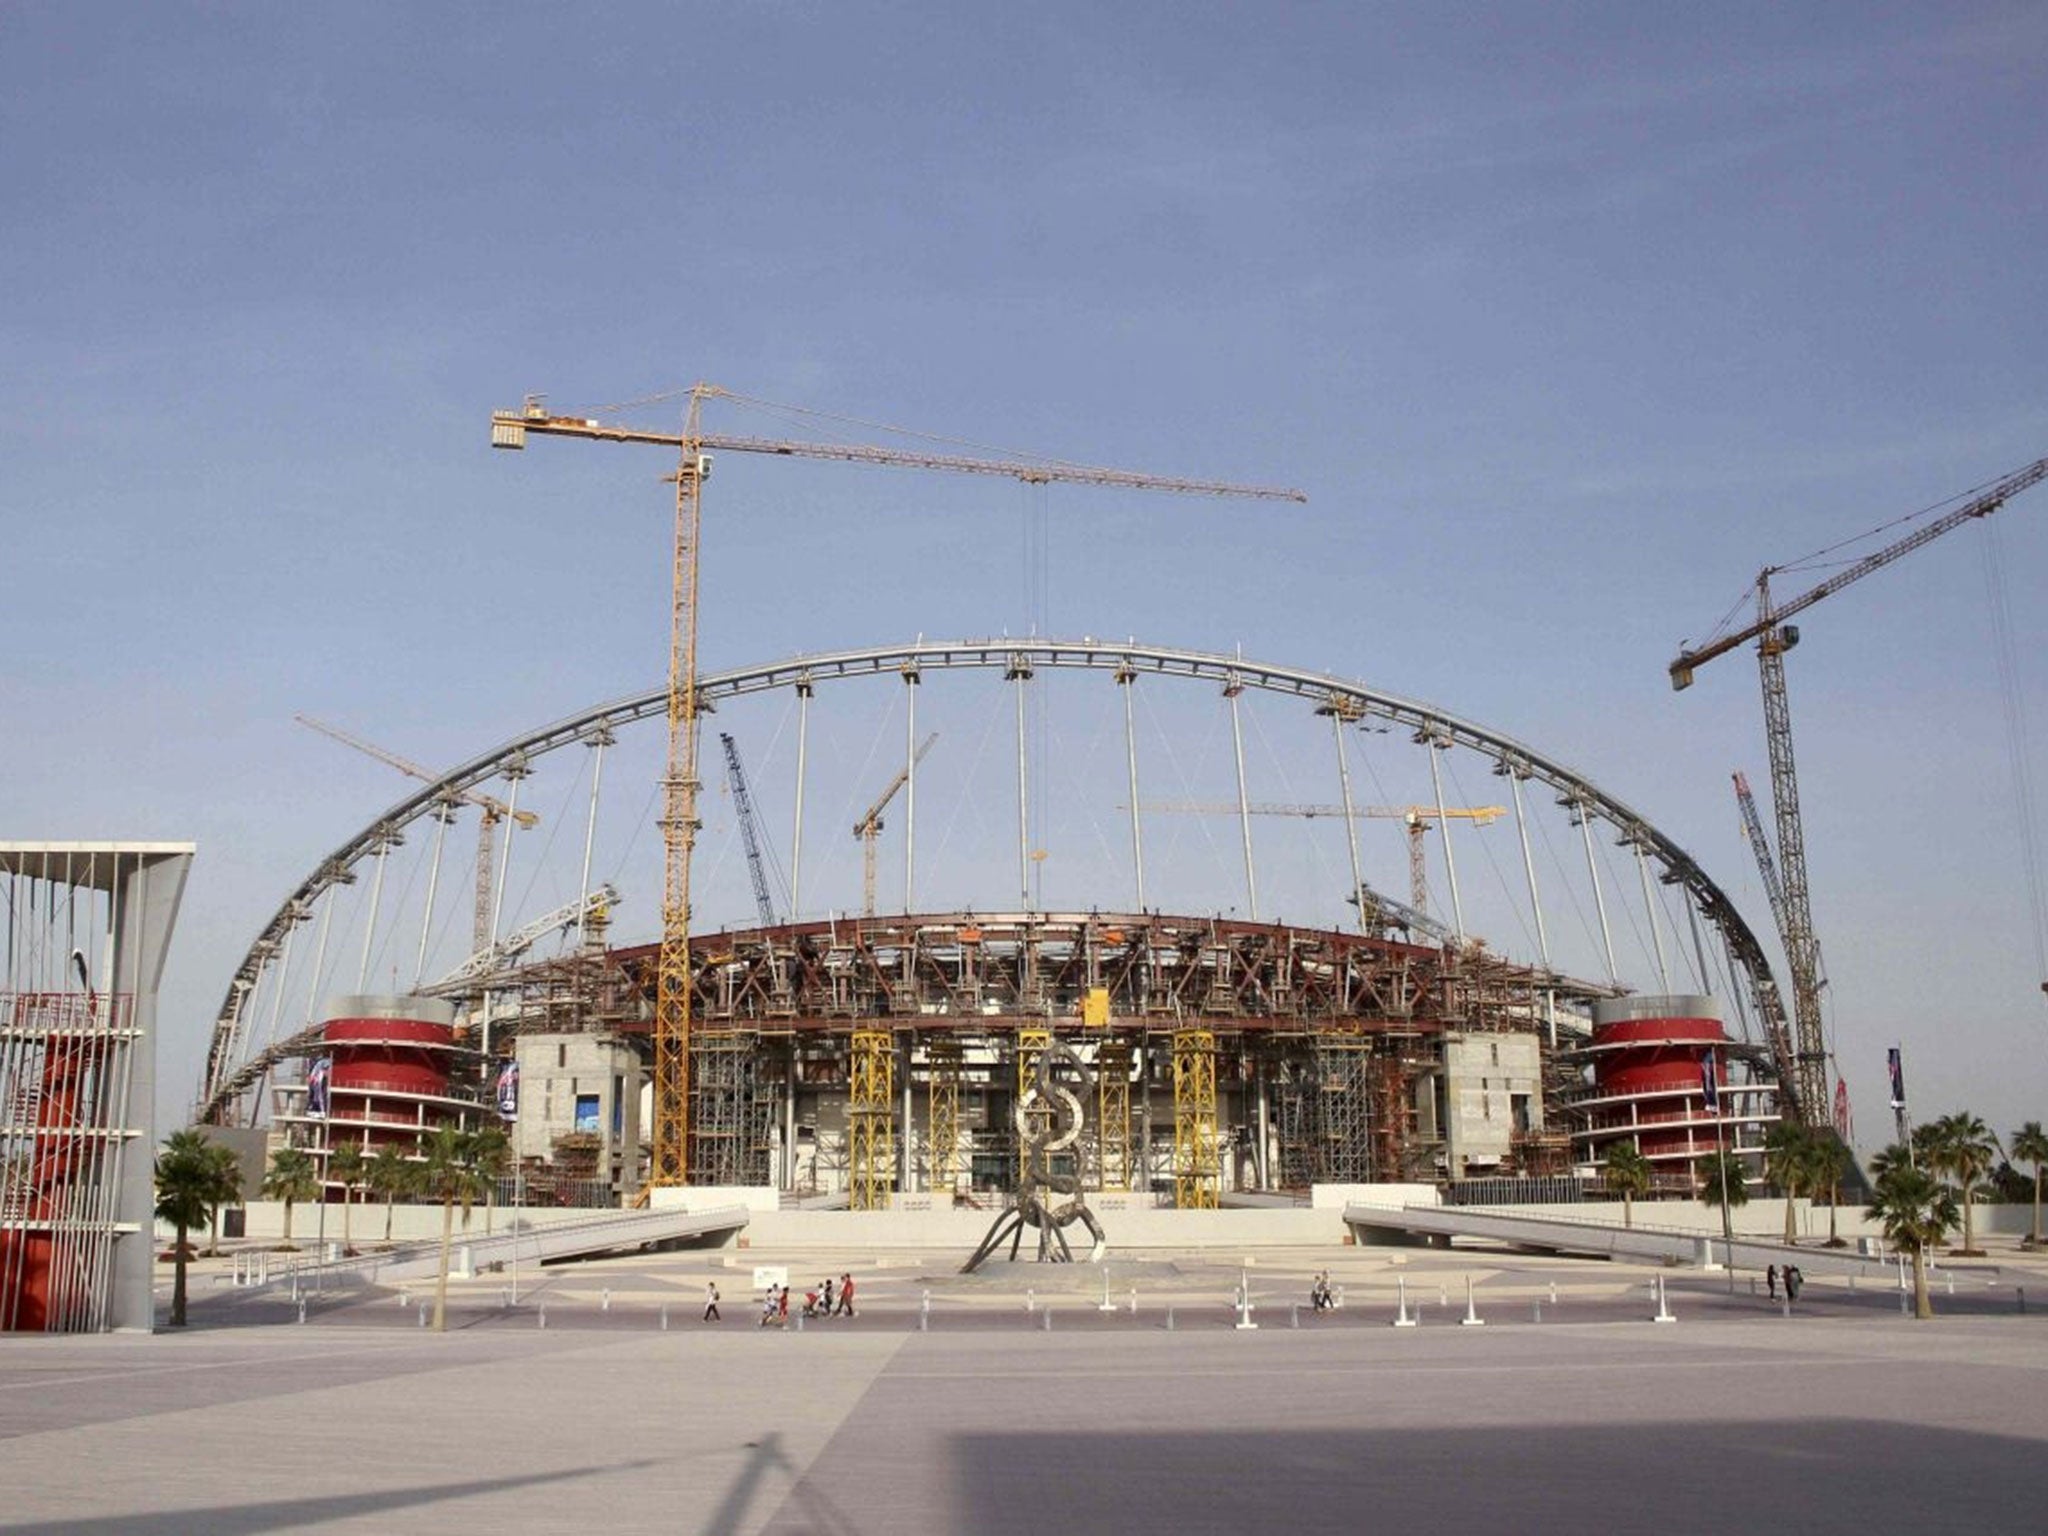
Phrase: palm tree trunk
(1969, 1227)
(2037, 1205)
(178, 1280)
(1834, 1203)
(1791, 1230)
(287, 1223)
(1628, 1210)
(441, 1284)
(387, 1219)
(213, 1235)
(1923, 1306)
(348, 1196)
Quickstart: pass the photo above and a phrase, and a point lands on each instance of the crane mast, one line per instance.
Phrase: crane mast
(1805, 1073)
(1417, 819)
(743, 806)
(869, 827)
(680, 785)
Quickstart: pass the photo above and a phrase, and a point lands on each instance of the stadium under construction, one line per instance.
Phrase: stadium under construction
(884, 1059)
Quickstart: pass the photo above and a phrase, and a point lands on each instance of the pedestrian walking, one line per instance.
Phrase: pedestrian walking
(711, 1302)
(828, 1295)
(1771, 1281)
(782, 1309)
(1794, 1281)
(846, 1295)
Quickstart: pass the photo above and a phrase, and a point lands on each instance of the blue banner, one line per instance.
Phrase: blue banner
(1897, 1068)
(1710, 1084)
(508, 1091)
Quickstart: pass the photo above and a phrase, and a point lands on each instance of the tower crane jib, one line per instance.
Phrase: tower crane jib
(679, 823)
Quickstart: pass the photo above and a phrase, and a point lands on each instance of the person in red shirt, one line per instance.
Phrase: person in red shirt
(846, 1295)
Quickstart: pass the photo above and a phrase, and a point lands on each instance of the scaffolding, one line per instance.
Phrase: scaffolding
(1340, 1117)
(730, 1112)
(942, 1103)
(1113, 1114)
(1197, 1165)
(870, 1120)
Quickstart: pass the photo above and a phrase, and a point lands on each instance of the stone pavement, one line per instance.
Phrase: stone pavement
(1844, 1417)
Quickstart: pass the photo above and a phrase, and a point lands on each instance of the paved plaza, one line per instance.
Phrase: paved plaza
(1568, 1410)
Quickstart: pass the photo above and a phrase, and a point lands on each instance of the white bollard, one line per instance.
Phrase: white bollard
(423, 1317)
(1045, 1321)
(1401, 1317)
(1134, 1301)
(924, 1314)
(1443, 1295)
(1553, 1293)
(1663, 1313)
(1244, 1299)
(604, 1303)
(302, 1309)
(1107, 1305)
(664, 1318)
(1471, 1319)
(1169, 1319)
(543, 1314)
(1030, 1301)
(1338, 1304)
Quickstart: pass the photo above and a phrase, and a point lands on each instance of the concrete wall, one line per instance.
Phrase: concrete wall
(1487, 1077)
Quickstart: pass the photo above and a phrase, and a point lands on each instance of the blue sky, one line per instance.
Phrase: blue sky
(1568, 318)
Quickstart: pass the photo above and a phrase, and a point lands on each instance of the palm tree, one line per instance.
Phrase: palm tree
(392, 1175)
(1828, 1160)
(346, 1165)
(1628, 1175)
(1724, 1181)
(291, 1179)
(1916, 1210)
(185, 1183)
(450, 1175)
(2030, 1145)
(226, 1166)
(1964, 1149)
(1787, 1154)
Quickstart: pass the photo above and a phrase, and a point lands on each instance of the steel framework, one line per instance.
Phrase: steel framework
(1197, 1163)
(1113, 1114)
(943, 1060)
(870, 1120)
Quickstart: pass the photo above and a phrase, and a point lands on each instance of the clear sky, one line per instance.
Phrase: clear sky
(1568, 318)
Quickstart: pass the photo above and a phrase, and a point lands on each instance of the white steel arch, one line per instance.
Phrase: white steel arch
(1347, 699)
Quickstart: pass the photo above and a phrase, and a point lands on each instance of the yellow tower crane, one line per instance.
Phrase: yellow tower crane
(694, 446)
(1417, 817)
(1807, 1071)
(869, 828)
(493, 811)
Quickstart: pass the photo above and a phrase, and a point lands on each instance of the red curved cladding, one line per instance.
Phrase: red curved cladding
(1668, 1057)
(401, 1055)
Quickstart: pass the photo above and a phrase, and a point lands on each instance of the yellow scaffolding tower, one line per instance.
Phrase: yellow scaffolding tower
(1197, 1180)
(942, 1090)
(870, 1122)
(1113, 1113)
(1032, 1043)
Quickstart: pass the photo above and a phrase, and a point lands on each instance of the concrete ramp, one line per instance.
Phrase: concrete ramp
(610, 1232)
(1638, 1244)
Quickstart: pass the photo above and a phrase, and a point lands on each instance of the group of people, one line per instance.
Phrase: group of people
(1320, 1296)
(1793, 1281)
(827, 1300)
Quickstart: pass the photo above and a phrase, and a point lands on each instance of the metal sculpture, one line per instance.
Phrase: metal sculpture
(1048, 1118)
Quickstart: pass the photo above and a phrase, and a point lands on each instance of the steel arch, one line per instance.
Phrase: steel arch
(1353, 700)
